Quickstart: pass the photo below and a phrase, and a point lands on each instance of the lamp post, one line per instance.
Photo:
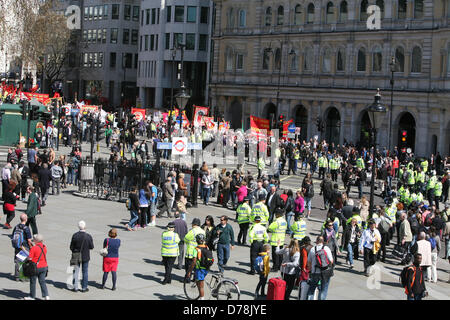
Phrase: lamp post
(182, 97)
(392, 66)
(376, 110)
(174, 53)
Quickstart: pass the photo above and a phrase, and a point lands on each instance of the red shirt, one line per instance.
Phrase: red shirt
(35, 252)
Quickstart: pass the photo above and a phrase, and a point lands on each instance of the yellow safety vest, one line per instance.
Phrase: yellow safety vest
(299, 229)
(259, 209)
(170, 242)
(278, 230)
(191, 243)
(243, 212)
(438, 189)
(258, 233)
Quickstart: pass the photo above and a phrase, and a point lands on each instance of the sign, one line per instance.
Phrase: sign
(168, 146)
(286, 125)
(291, 128)
(138, 113)
(291, 135)
(179, 146)
(199, 112)
(86, 109)
(258, 125)
(41, 97)
(164, 146)
(298, 130)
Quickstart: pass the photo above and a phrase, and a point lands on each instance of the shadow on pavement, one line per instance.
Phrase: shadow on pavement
(57, 284)
(13, 293)
(7, 276)
(148, 277)
(117, 227)
(169, 297)
(241, 270)
(157, 262)
(348, 270)
(392, 284)
(175, 277)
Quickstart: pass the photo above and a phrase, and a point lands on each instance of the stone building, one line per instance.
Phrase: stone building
(306, 59)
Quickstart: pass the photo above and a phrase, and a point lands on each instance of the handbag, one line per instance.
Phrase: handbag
(104, 251)
(399, 251)
(30, 268)
(76, 256)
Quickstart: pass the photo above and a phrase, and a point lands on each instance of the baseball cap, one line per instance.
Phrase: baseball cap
(196, 221)
(261, 197)
(171, 225)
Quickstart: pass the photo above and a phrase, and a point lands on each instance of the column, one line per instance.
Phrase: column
(422, 133)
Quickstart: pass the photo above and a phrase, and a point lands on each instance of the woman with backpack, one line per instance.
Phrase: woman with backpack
(289, 265)
(305, 247)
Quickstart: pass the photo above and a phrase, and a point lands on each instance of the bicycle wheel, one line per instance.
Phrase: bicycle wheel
(227, 290)
(191, 290)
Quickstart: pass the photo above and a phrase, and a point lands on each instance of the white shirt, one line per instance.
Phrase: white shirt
(368, 238)
(312, 256)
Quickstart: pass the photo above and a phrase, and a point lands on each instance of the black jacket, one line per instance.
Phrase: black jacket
(180, 228)
(82, 242)
(326, 186)
(44, 177)
(348, 234)
(276, 202)
(134, 201)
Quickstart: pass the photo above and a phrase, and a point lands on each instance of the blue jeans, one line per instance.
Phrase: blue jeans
(360, 192)
(308, 203)
(289, 217)
(223, 254)
(134, 217)
(205, 195)
(323, 287)
(416, 297)
(41, 278)
(350, 253)
(84, 282)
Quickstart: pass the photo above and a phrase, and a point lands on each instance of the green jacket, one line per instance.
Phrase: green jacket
(32, 206)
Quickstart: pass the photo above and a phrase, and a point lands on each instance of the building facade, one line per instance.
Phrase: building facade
(164, 25)
(308, 59)
(102, 65)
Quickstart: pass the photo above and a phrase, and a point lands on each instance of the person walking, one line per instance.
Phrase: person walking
(111, 260)
(243, 213)
(6, 176)
(264, 273)
(278, 233)
(80, 245)
(435, 243)
(260, 210)
(424, 248)
(144, 196)
(415, 285)
(308, 191)
(21, 240)
(191, 244)
(152, 204)
(200, 270)
(289, 265)
(32, 209)
(207, 182)
(134, 209)
(352, 233)
(180, 229)
(405, 235)
(319, 273)
(226, 242)
(169, 251)
(38, 254)
(257, 237)
(56, 173)
(366, 246)
(44, 175)
(9, 204)
(168, 196)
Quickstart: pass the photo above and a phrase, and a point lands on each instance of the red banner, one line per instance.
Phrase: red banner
(285, 127)
(258, 125)
(198, 113)
(139, 113)
(41, 97)
(86, 109)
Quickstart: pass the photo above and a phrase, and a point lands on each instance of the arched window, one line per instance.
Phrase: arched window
(280, 16)
(310, 18)
(340, 60)
(277, 59)
(326, 61)
(268, 17)
(380, 3)
(399, 59)
(294, 62)
(343, 12)
(229, 59)
(298, 15)
(361, 65)
(377, 58)
(242, 18)
(363, 10)
(231, 18)
(266, 59)
(330, 12)
(401, 9)
(308, 59)
(416, 65)
(418, 9)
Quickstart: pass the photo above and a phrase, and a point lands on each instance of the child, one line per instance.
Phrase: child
(200, 271)
(263, 275)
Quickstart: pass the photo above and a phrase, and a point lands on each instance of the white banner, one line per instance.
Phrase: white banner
(179, 146)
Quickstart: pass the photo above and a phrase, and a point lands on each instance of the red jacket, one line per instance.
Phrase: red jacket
(35, 252)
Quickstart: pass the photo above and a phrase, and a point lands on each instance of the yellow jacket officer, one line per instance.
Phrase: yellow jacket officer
(169, 250)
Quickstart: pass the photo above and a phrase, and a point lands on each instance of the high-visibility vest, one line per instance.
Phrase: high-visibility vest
(243, 212)
(391, 213)
(296, 154)
(190, 241)
(420, 177)
(424, 165)
(334, 164)
(278, 230)
(438, 189)
(411, 179)
(258, 233)
(419, 197)
(277, 153)
(431, 183)
(299, 229)
(358, 220)
(323, 162)
(259, 209)
(261, 164)
(169, 243)
(360, 163)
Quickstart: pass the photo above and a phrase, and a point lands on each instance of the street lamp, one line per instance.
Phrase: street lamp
(376, 110)
(174, 53)
(182, 98)
(392, 66)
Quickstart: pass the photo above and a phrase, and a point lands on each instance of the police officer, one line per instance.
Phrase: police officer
(420, 180)
(257, 237)
(278, 233)
(169, 250)
(243, 218)
(261, 165)
(437, 192)
(191, 244)
(334, 167)
(430, 187)
(260, 209)
(298, 228)
(360, 163)
(323, 165)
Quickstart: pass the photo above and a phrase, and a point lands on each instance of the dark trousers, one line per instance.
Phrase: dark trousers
(180, 257)
(430, 196)
(276, 259)
(436, 201)
(187, 265)
(32, 222)
(261, 284)
(5, 184)
(40, 277)
(143, 216)
(255, 249)
(291, 167)
(9, 216)
(290, 282)
(166, 208)
(334, 175)
(369, 258)
(168, 263)
(243, 228)
(382, 252)
(322, 172)
(226, 196)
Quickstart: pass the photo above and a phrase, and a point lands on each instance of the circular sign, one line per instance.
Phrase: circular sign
(291, 128)
(179, 145)
(138, 116)
(408, 150)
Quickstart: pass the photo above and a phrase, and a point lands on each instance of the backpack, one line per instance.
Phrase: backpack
(17, 238)
(310, 191)
(404, 274)
(159, 195)
(432, 242)
(258, 264)
(322, 260)
(206, 260)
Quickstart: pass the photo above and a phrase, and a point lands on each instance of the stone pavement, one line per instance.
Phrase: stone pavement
(140, 270)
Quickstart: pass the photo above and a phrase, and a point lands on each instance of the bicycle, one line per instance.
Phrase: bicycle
(219, 287)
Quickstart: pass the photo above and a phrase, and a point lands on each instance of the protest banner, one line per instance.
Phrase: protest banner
(138, 113)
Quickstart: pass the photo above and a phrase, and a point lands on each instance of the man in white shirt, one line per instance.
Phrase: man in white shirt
(317, 273)
(368, 239)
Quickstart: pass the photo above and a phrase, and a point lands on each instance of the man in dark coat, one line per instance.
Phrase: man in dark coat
(273, 201)
(81, 242)
(45, 176)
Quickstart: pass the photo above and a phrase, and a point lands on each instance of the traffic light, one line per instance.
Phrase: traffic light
(23, 109)
(404, 135)
(45, 117)
(34, 113)
(320, 124)
(280, 123)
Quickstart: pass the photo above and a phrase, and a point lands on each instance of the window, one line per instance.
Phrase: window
(135, 13)
(190, 41)
(134, 36)
(399, 60)
(147, 16)
(268, 17)
(380, 3)
(100, 12)
(91, 13)
(401, 9)
(177, 39)
(168, 14)
(361, 66)
(85, 35)
(86, 13)
(115, 11)
(136, 59)
(154, 16)
(128, 60)
(418, 9)
(278, 59)
(146, 43)
(294, 62)
(280, 16)
(95, 13)
(231, 18)
(126, 36)
(239, 61)
(152, 42)
(229, 65)
(99, 35)
(85, 59)
(100, 59)
(416, 65)
(340, 61)
(242, 18)
(192, 14)
(141, 43)
(363, 10)
(204, 12)
(310, 17)
(326, 61)
(104, 36)
(157, 15)
(448, 59)
(377, 58)
(114, 35)
(266, 59)
(298, 15)
(105, 11)
(89, 36)
(179, 14)
(127, 12)
(330, 12)
(308, 59)
(203, 42)
(167, 41)
(94, 35)
(343, 12)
